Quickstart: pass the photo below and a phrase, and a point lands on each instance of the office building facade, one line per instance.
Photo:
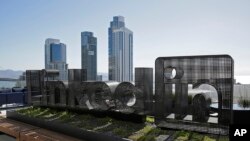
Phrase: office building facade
(99, 78)
(89, 54)
(120, 51)
(55, 57)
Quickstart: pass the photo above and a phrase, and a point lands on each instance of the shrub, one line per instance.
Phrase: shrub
(139, 135)
(121, 132)
(244, 102)
(196, 137)
(147, 138)
(182, 136)
(223, 138)
(206, 138)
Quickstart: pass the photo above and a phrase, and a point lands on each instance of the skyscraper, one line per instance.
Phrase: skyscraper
(89, 54)
(120, 51)
(55, 57)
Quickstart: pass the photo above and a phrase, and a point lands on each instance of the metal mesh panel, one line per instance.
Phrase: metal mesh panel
(177, 72)
(127, 98)
(75, 77)
(57, 93)
(201, 103)
(34, 81)
(181, 101)
(99, 94)
(144, 82)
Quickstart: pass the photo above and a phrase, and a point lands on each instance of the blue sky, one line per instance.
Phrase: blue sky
(161, 28)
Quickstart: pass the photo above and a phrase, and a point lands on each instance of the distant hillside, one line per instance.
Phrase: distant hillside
(10, 74)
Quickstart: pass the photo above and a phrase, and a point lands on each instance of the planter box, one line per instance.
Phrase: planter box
(63, 128)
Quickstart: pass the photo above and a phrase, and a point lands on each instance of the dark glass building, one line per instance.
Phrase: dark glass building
(89, 54)
(55, 57)
(58, 52)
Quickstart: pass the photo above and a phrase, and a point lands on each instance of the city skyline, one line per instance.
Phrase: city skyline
(171, 28)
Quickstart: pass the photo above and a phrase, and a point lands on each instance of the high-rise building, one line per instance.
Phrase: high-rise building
(120, 51)
(99, 78)
(89, 54)
(55, 57)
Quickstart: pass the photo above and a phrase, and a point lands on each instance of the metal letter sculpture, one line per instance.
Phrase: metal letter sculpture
(173, 77)
(45, 90)
(174, 74)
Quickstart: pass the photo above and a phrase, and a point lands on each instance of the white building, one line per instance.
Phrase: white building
(120, 51)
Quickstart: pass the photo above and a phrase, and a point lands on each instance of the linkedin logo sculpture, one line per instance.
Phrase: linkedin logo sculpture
(173, 76)
(125, 97)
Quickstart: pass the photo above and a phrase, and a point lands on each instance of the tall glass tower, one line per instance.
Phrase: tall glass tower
(120, 51)
(89, 54)
(55, 57)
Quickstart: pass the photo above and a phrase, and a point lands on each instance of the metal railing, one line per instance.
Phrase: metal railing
(12, 100)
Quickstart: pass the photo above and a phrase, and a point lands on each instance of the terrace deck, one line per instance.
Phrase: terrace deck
(26, 132)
